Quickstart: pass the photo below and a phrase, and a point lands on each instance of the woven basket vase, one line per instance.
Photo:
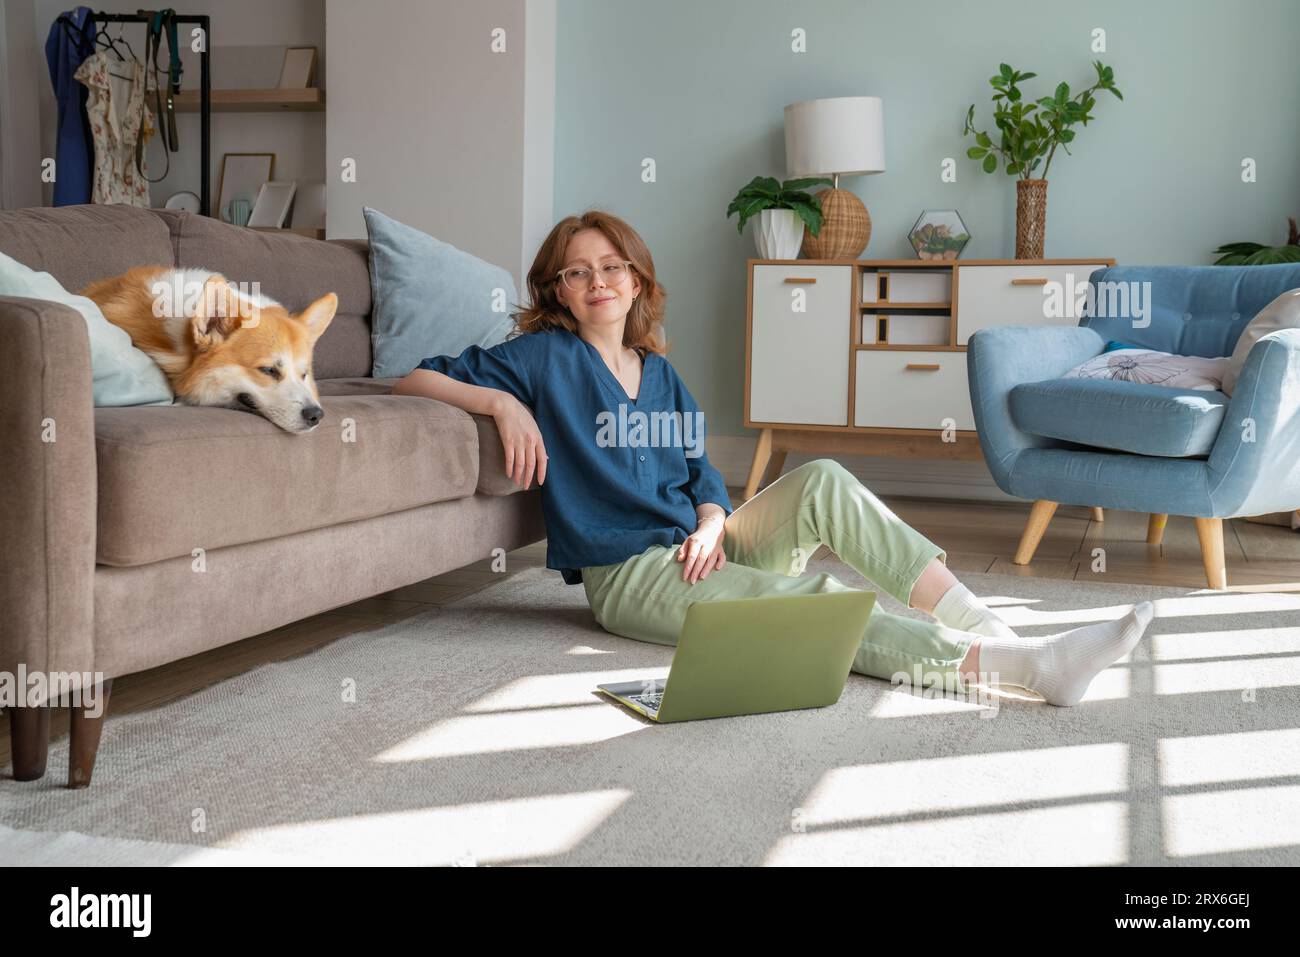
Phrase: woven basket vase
(1031, 217)
(846, 227)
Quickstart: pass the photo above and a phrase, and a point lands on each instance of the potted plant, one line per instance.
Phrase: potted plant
(783, 209)
(1027, 136)
(1257, 254)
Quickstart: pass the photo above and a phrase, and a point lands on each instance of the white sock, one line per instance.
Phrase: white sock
(1060, 667)
(960, 609)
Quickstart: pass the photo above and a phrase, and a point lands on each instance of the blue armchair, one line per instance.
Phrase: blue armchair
(1140, 447)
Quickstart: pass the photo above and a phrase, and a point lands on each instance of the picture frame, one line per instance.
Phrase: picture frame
(242, 176)
(271, 210)
(309, 206)
(298, 71)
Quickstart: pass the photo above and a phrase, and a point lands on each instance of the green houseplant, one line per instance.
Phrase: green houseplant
(783, 209)
(1026, 136)
(1257, 254)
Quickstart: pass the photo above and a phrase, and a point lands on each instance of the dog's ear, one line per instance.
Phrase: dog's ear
(318, 315)
(219, 312)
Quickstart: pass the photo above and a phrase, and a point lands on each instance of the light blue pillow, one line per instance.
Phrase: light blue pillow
(123, 375)
(430, 298)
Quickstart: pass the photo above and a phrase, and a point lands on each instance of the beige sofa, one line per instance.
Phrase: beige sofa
(144, 535)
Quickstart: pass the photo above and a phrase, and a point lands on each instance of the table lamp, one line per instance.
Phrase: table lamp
(840, 136)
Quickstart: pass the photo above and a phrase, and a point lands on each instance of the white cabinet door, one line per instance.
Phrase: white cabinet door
(1014, 295)
(897, 389)
(799, 362)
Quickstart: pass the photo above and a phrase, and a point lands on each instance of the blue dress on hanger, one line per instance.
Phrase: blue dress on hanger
(74, 154)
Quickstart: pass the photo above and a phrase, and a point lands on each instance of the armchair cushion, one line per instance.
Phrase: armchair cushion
(1121, 416)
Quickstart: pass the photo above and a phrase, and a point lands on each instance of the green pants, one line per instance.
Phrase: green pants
(768, 541)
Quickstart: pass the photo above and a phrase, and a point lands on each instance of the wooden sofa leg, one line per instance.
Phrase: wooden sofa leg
(1156, 528)
(1039, 517)
(1210, 532)
(29, 739)
(1098, 513)
(83, 739)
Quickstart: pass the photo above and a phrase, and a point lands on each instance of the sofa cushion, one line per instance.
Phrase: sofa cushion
(1124, 416)
(294, 270)
(172, 479)
(123, 375)
(79, 244)
(430, 298)
(492, 477)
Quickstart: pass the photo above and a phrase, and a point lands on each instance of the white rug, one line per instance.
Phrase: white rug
(475, 739)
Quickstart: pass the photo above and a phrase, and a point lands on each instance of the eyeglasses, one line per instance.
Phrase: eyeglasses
(579, 277)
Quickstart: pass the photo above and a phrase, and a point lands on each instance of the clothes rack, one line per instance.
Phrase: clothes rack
(205, 94)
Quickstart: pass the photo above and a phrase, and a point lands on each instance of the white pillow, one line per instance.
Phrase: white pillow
(1282, 313)
(1153, 368)
(123, 375)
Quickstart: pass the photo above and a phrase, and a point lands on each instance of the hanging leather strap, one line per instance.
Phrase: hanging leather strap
(158, 21)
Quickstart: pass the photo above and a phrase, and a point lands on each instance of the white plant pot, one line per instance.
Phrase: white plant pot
(779, 234)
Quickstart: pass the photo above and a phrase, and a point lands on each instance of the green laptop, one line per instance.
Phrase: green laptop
(755, 655)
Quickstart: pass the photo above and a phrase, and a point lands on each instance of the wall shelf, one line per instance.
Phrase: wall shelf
(309, 100)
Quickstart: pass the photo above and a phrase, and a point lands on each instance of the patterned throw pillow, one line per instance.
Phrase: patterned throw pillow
(1147, 366)
(1282, 313)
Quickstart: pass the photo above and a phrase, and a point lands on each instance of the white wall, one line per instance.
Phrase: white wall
(247, 44)
(20, 145)
(539, 131)
(446, 134)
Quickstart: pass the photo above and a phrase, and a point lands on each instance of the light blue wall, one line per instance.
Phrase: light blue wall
(699, 85)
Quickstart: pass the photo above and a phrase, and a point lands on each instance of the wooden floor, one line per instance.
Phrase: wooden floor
(978, 536)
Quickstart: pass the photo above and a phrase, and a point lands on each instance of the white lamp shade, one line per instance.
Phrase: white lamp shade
(843, 135)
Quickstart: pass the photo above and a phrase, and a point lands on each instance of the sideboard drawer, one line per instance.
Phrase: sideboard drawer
(1013, 295)
(898, 389)
(799, 361)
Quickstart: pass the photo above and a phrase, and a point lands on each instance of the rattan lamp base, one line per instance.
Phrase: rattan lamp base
(846, 227)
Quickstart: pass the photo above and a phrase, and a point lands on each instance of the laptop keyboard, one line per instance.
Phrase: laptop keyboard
(648, 699)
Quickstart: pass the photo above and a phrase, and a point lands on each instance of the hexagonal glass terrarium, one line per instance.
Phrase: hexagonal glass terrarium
(939, 234)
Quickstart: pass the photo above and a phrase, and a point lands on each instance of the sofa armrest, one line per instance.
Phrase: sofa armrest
(47, 488)
(1254, 467)
(998, 360)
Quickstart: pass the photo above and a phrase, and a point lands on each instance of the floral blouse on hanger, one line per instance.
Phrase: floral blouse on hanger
(115, 107)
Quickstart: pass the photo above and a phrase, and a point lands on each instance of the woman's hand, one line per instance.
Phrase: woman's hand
(702, 550)
(521, 440)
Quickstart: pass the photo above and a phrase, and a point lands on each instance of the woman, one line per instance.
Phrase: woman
(624, 508)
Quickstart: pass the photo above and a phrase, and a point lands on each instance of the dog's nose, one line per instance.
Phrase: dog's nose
(312, 414)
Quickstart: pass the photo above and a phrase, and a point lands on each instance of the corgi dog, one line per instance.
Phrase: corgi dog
(219, 344)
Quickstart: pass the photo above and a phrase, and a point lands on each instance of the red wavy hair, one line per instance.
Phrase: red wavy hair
(643, 330)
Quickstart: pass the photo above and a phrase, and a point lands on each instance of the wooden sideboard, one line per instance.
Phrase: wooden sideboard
(868, 357)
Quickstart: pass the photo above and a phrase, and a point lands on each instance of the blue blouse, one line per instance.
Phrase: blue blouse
(621, 474)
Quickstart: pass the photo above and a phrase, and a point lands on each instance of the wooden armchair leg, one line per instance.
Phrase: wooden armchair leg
(29, 739)
(1210, 532)
(1098, 513)
(1156, 528)
(1039, 517)
(83, 739)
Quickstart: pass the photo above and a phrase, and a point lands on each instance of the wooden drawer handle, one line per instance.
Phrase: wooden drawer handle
(1029, 282)
(794, 279)
(923, 366)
